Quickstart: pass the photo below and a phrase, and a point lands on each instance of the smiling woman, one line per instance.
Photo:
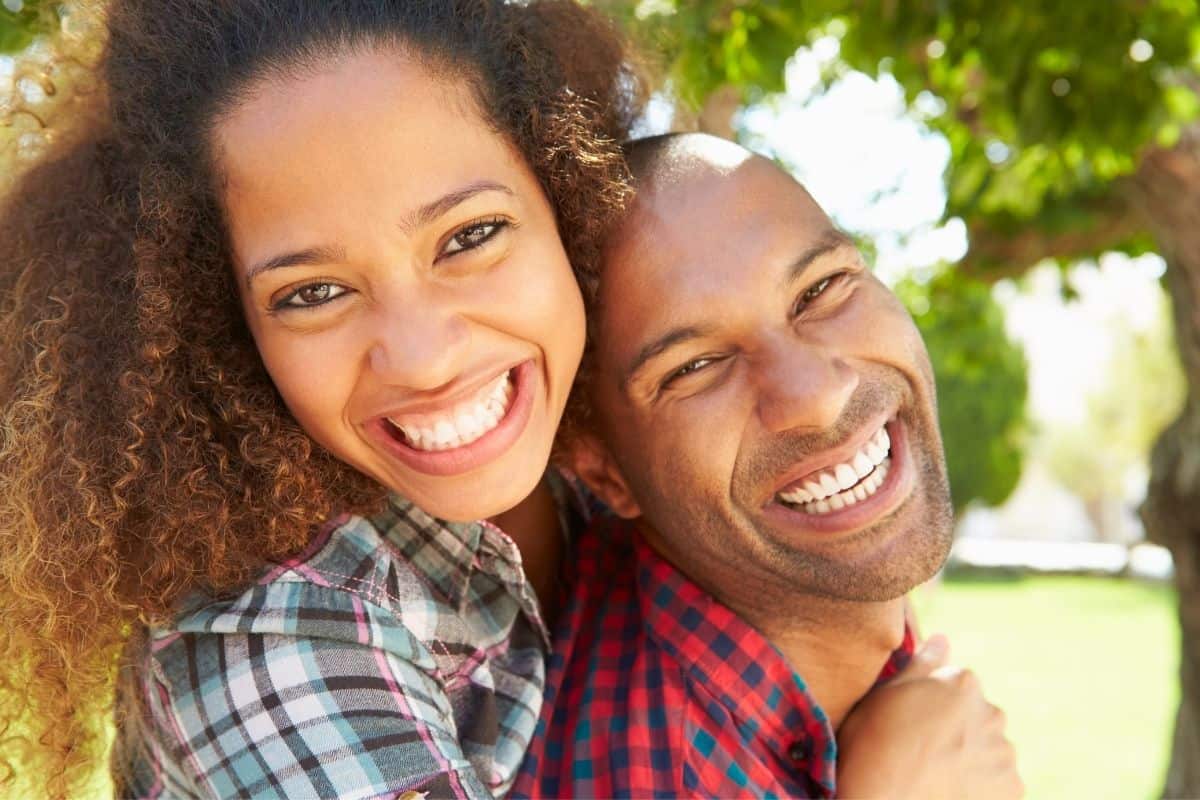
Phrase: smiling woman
(421, 271)
(298, 288)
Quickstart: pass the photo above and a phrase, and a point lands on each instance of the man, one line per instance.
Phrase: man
(764, 414)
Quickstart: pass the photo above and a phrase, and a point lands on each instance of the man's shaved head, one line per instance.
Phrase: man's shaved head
(659, 160)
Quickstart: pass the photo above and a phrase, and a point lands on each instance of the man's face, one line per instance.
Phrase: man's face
(767, 403)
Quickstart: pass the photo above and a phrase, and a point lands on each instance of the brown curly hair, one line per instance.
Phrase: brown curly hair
(144, 453)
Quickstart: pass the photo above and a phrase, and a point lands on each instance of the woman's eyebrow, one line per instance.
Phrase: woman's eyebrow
(322, 254)
(421, 216)
(435, 208)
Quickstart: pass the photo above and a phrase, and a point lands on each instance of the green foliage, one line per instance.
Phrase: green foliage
(981, 380)
(709, 43)
(1046, 105)
(19, 27)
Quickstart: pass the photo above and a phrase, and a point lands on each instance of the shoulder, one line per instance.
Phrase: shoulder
(314, 679)
(349, 585)
(604, 547)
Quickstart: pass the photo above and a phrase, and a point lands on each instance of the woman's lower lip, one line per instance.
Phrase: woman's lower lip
(896, 488)
(478, 453)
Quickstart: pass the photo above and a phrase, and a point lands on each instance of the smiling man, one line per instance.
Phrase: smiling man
(764, 424)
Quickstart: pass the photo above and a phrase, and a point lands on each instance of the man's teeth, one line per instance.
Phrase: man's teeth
(848, 483)
(462, 424)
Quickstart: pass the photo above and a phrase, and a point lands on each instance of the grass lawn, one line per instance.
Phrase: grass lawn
(1085, 668)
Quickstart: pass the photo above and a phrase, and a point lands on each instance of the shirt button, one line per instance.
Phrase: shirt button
(798, 751)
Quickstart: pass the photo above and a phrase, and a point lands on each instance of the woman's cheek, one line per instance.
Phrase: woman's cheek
(547, 309)
(314, 375)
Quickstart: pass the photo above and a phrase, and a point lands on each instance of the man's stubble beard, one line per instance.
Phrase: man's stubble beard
(905, 558)
(910, 556)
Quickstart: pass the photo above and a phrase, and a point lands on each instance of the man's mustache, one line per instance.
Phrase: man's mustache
(870, 399)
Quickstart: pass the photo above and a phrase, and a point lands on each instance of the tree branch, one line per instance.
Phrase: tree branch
(996, 253)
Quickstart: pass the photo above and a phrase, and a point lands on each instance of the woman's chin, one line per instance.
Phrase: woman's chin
(490, 493)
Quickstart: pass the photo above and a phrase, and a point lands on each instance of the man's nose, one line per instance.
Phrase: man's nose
(421, 345)
(804, 386)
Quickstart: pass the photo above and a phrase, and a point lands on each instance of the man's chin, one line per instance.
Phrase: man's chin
(883, 561)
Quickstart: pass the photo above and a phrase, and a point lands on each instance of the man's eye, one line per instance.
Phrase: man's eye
(311, 296)
(473, 235)
(812, 293)
(688, 369)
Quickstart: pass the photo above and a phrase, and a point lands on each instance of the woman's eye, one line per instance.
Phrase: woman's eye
(472, 236)
(812, 293)
(311, 296)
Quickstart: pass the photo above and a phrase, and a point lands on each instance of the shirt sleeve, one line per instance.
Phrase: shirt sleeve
(357, 714)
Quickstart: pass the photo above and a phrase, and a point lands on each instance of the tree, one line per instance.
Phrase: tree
(19, 24)
(1073, 129)
(981, 384)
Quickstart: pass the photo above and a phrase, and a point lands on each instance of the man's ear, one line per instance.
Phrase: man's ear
(590, 460)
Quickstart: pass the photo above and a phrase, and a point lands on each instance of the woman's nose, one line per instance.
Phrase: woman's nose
(421, 346)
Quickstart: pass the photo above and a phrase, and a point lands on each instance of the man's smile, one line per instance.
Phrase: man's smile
(847, 483)
(860, 485)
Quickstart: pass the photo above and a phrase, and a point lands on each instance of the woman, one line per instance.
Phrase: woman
(303, 255)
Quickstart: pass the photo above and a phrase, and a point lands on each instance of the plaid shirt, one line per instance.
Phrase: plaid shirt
(400, 653)
(655, 689)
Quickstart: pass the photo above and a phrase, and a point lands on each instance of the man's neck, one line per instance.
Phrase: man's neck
(837, 647)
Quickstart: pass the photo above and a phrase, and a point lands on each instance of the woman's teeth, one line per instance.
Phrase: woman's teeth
(845, 484)
(462, 424)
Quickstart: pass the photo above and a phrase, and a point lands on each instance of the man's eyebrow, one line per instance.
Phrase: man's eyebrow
(671, 338)
(832, 239)
(422, 216)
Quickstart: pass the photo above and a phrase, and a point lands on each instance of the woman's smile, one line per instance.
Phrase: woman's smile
(460, 425)
(466, 434)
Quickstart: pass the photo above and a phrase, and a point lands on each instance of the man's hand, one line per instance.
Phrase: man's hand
(927, 734)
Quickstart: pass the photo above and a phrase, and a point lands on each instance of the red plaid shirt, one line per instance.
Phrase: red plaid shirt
(656, 689)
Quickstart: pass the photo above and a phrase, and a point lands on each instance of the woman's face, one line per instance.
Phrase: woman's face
(403, 277)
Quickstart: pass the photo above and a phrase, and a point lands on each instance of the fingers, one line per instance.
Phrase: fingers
(1003, 780)
(931, 656)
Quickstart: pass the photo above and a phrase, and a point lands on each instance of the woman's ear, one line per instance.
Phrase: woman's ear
(590, 460)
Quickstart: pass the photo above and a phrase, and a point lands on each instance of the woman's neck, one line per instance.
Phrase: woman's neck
(534, 524)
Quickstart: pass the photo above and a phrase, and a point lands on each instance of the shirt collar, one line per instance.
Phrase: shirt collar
(448, 553)
(442, 551)
(734, 663)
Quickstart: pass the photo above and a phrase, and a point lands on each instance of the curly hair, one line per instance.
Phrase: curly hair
(144, 452)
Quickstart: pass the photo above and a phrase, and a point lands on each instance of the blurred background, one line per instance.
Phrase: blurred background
(1026, 176)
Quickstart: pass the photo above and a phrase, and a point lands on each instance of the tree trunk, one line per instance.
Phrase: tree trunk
(1166, 189)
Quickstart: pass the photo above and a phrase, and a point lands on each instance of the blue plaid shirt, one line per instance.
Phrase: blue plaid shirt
(399, 654)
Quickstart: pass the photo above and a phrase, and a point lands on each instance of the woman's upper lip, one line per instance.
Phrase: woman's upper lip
(447, 397)
(826, 460)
